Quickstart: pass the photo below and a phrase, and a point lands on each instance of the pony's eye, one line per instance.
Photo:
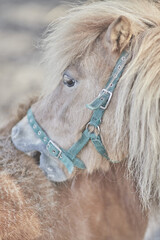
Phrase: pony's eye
(67, 80)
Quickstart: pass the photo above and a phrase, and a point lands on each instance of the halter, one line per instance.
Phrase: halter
(98, 106)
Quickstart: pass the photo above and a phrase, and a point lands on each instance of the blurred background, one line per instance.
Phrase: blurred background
(22, 23)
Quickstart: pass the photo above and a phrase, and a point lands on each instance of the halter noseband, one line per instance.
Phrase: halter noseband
(99, 105)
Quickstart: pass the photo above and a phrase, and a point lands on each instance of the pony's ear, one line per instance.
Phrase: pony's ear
(119, 34)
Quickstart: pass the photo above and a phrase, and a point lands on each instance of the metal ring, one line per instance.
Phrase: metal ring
(96, 128)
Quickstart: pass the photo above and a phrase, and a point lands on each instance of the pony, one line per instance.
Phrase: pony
(80, 52)
(86, 207)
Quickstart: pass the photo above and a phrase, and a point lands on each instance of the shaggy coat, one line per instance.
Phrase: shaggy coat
(89, 207)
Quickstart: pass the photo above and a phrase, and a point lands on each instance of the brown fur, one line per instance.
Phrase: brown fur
(97, 207)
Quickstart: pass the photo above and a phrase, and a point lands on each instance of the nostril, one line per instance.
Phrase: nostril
(15, 132)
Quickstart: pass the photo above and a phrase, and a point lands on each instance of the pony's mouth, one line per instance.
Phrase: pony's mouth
(36, 155)
(26, 141)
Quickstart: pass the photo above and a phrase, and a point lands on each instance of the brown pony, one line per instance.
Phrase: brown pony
(81, 51)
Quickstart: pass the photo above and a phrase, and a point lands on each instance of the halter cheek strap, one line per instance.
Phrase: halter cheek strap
(98, 106)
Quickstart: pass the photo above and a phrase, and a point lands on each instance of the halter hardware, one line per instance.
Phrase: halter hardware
(99, 105)
(96, 129)
(52, 145)
(105, 91)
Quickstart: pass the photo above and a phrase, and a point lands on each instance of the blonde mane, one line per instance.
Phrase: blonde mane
(137, 110)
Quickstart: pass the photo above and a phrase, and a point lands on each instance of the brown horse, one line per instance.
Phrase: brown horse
(81, 51)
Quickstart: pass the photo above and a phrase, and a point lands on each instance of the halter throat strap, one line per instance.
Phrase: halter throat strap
(98, 106)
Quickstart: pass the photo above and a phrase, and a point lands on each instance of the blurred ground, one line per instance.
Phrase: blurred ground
(21, 25)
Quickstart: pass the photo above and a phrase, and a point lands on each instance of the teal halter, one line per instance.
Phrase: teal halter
(99, 105)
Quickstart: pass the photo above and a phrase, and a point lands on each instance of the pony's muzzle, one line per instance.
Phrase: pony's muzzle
(15, 132)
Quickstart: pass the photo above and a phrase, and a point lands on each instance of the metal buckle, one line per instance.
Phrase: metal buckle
(95, 127)
(109, 99)
(52, 143)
